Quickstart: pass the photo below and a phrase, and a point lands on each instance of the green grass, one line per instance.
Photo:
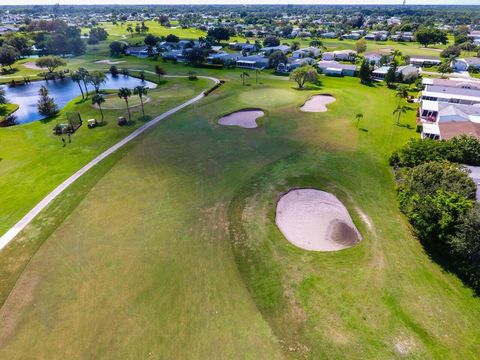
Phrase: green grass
(7, 109)
(34, 161)
(142, 266)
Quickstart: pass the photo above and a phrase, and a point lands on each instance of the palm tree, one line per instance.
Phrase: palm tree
(401, 93)
(84, 75)
(396, 53)
(97, 79)
(243, 75)
(358, 117)
(140, 91)
(76, 77)
(399, 110)
(125, 93)
(98, 100)
(130, 29)
(257, 72)
(159, 71)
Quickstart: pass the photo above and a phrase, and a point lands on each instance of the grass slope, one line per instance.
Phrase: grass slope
(143, 266)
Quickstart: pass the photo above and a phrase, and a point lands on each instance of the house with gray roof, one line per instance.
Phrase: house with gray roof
(334, 68)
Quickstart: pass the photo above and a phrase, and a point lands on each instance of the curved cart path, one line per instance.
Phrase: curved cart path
(20, 225)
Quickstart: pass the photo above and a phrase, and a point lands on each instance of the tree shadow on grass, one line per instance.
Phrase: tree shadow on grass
(102, 123)
(449, 265)
(145, 118)
(407, 126)
(49, 119)
(363, 129)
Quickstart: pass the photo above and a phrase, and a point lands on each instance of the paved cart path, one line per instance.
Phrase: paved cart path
(20, 225)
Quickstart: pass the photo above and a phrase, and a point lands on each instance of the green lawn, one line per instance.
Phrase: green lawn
(34, 161)
(7, 109)
(137, 256)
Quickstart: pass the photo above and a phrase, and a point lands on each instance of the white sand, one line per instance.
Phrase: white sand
(317, 103)
(243, 118)
(316, 220)
(109, 62)
(32, 65)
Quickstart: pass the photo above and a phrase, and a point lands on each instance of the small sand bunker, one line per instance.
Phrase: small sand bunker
(109, 62)
(32, 65)
(317, 103)
(243, 118)
(316, 220)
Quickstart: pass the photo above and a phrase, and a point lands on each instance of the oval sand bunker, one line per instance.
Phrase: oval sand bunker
(243, 118)
(315, 220)
(317, 103)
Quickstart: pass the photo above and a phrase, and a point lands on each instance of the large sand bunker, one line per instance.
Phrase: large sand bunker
(316, 220)
(243, 118)
(317, 103)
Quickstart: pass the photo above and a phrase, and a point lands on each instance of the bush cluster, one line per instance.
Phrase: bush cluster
(438, 196)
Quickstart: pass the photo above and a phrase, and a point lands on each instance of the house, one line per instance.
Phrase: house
(293, 64)
(425, 61)
(377, 36)
(406, 72)
(375, 57)
(252, 62)
(473, 63)
(448, 94)
(403, 36)
(271, 49)
(138, 51)
(475, 37)
(173, 55)
(453, 82)
(466, 64)
(328, 35)
(306, 52)
(243, 47)
(450, 120)
(223, 58)
(334, 68)
(340, 55)
(351, 36)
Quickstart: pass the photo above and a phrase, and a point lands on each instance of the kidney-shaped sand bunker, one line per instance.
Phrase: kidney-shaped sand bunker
(244, 118)
(317, 103)
(315, 220)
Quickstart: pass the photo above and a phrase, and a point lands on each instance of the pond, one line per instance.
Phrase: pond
(62, 91)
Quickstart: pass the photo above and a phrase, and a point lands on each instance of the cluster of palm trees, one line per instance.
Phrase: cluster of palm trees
(244, 75)
(402, 94)
(95, 78)
(125, 94)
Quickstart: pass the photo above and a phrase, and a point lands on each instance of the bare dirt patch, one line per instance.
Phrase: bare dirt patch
(244, 118)
(316, 220)
(317, 103)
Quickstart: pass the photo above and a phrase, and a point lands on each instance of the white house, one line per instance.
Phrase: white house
(342, 55)
(306, 52)
(334, 68)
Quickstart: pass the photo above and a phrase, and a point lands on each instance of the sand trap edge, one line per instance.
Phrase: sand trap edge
(318, 111)
(221, 116)
(283, 193)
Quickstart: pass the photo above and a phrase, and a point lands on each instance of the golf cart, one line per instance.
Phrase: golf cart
(91, 123)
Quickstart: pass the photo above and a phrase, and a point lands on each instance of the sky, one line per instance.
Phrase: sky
(249, 2)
